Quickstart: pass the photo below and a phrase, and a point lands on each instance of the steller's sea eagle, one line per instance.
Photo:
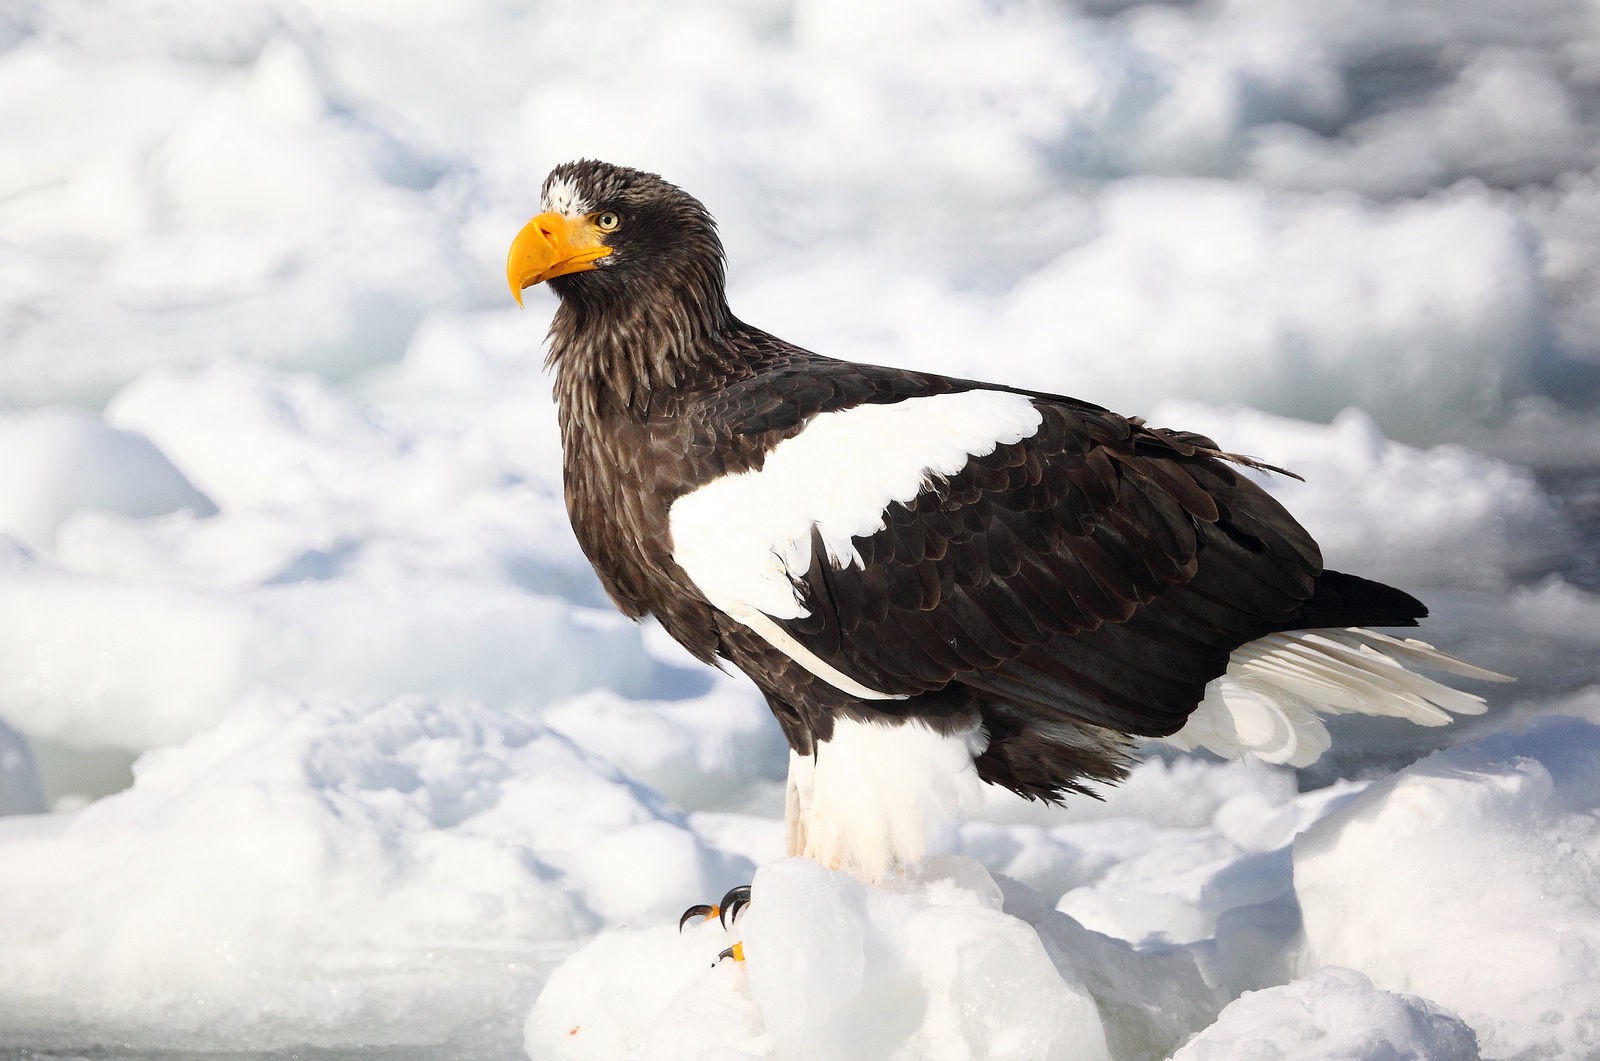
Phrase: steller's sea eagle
(933, 581)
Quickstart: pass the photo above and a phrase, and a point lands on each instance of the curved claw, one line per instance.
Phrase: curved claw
(736, 899)
(736, 952)
(704, 911)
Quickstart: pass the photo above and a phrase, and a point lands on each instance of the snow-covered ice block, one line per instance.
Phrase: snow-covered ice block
(1471, 879)
(1176, 891)
(1224, 292)
(926, 967)
(1332, 1015)
(328, 874)
(102, 661)
(648, 993)
(711, 752)
(61, 461)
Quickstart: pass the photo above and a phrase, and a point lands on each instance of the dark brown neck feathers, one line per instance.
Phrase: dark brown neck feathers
(618, 347)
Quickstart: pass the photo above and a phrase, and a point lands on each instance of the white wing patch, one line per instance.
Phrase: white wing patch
(743, 539)
(1268, 702)
(563, 197)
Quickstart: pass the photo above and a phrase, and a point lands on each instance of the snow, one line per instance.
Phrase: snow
(1525, 800)
(1333, 1014)
(281, 523)
(407, 865)
(63, 461)
(925, 968)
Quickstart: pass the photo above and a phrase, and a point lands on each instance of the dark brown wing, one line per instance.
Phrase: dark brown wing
(1068, 590)
(1098, 570)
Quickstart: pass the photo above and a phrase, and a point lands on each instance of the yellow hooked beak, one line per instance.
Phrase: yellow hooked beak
(552, 245)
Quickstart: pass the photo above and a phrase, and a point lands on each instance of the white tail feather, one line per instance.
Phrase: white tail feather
(1269, 702)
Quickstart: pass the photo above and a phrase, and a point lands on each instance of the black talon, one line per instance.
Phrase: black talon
(736, 899)
(700, 910)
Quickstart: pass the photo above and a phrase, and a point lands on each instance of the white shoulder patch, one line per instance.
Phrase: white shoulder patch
(563, 197)
(742, 537)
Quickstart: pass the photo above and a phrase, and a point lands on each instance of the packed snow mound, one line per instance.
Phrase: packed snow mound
(1222, 293)
(92, 661)
(926, 968)
(353, 548)
(411, 538)
(1332, 1015)
(233, 215)
(402, 872)
(61, 461)
(946, 961)
(719, 751)
(1393, 883)
(1167, 194)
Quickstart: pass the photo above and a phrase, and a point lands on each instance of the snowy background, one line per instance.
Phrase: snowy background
(318, 739)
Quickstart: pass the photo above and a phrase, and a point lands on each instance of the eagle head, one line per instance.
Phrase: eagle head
(608, 234)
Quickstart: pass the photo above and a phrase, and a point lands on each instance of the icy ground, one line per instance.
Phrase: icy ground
(318, 739)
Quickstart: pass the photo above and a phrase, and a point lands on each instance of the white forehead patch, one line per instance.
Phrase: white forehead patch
(563, 197)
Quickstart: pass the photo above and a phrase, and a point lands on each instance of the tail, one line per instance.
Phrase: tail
(1323, 662)
(1340, 600)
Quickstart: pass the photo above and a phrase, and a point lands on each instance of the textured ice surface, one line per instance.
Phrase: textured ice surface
(1470, 878)
(1332, 1014)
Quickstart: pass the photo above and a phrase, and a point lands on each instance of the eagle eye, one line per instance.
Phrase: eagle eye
(607, 221)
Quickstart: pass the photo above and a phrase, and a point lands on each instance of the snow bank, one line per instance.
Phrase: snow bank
(305, 183)
(717, 751)
(352, 548)
(237, 215)
(1394, 884)
(1331, 1015)
(62, 461)
(928, 968)
(398, 873)
(948, 962)
(1223, 293)
(95, 661)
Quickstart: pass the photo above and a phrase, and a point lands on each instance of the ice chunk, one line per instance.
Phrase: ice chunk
(330, 873)
(1332, 1014)
(1470, 878)
(925, 967)
(61, 461)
